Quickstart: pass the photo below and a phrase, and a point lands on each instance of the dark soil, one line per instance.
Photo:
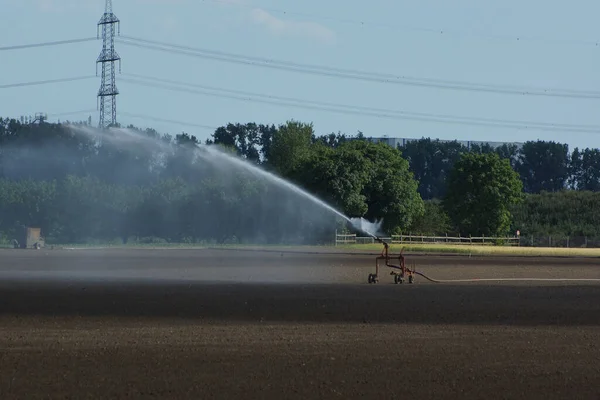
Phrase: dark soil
(159, 324)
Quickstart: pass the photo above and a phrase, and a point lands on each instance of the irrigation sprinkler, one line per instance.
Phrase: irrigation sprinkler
(400, 271)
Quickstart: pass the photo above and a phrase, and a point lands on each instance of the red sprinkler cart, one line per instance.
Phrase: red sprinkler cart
(399, 271)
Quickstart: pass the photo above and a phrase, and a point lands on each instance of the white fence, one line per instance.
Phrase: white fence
(341, 239)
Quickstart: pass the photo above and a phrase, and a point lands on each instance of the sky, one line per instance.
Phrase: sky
(537, 43)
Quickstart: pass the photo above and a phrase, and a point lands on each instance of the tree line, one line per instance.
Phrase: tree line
(80, 189)
(543, 166)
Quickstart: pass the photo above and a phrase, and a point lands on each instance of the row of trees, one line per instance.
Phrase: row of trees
(542, 165)
(80, 184)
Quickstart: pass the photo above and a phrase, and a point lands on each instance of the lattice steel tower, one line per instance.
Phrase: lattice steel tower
(107, 95)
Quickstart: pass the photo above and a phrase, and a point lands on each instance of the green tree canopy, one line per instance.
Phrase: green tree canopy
(481, 190)
(337, 176)
(361, 179)
(544, 166)
(431, 161)
(434, 220)
(290, 146)
(392, 192)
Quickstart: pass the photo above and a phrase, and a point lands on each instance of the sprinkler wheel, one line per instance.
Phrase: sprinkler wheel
(373, 278)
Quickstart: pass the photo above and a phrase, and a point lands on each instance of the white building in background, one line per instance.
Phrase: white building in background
(395, 142)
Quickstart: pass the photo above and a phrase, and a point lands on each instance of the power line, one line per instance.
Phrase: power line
(45, 82)
(141, 116)
(355, 110)
(358, 108)
(325, 106)
(134, 115)
(355, 74)
(45, 44)
(171, 121)
(91, 110)
(403, 27)
(335, 72)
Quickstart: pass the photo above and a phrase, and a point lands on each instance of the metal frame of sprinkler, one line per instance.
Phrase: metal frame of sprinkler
(400, 271)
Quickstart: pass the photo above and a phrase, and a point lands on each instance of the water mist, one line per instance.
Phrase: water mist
(135, 141)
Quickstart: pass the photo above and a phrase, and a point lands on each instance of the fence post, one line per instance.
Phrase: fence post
(567, 242)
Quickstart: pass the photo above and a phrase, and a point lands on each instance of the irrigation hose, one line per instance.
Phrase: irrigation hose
(506, 279)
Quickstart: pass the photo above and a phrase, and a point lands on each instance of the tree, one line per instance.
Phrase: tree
(362, 179)
(575, 169)
(481, 190)
(434, 220)
(481, 148)
(391, 191)
(585, 170)
(509, 151)
(337, 175)
(431, 161)
(331, 140)
(289, 146)
(249, 140)
(544, 166)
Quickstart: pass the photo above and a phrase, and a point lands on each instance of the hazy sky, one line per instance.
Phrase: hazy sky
(537, 43)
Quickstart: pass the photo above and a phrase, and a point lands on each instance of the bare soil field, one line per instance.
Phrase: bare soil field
(216, 324)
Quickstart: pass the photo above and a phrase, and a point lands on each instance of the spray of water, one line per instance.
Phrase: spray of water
(372, 229)
(216, 157)
(214, 154)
